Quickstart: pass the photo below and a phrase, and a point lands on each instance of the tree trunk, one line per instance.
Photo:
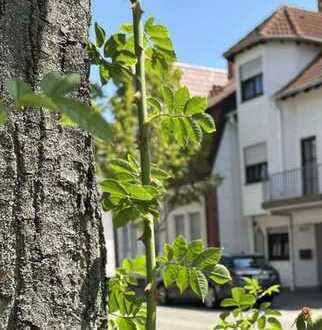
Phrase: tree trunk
(52, 254)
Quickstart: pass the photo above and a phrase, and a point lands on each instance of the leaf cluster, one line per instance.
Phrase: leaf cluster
(245, 314)
(192, 266)
(53, 95)
(126, 197)
(127, 311)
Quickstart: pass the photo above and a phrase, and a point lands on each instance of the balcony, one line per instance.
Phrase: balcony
(293, 187)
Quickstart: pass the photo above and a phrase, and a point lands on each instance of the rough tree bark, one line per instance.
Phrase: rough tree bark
(52, 254)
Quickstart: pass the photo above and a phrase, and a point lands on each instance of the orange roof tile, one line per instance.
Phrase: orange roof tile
(287, 23)
(200, 80)
(310, 77)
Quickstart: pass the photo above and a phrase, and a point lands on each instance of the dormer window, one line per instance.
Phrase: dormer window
(251, 78)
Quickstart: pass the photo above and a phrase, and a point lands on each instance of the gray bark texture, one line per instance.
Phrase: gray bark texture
(52, 251)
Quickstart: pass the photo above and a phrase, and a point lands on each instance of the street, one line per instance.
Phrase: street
(195, 317)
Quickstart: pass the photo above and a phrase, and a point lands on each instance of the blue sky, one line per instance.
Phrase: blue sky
(201, 30)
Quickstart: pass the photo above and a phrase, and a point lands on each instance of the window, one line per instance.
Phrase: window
(256, 163)
(179, 225)
(278, 246)
(251, 77)
(194, 219)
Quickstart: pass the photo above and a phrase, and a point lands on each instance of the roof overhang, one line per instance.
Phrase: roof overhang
(303, 89)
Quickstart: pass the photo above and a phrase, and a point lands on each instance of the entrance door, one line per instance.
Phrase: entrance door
(309, 166)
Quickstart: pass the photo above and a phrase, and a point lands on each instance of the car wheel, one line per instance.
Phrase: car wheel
(162, 295)
(211, 300)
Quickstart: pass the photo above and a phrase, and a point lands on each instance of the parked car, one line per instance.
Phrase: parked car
(240, 266)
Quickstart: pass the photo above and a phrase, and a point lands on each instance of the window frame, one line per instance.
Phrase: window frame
(260, 178)
(285, 255)
(252, 81)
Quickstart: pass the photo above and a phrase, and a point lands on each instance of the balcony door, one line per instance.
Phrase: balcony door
(309, 166)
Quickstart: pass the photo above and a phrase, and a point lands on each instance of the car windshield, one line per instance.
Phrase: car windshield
(249, 262)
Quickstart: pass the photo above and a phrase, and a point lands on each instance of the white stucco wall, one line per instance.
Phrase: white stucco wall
(301, 118)
(232, 225)
(169, 235)
(302, 237)
(260, 118)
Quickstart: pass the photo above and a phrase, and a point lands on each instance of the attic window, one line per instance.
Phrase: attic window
(251, 76)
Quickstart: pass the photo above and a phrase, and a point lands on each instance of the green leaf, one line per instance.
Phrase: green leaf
(168, 97)
(164, 43)
(122, 166)
(3, 114)
(180, 247)
(181, 97)
(196, 105)
(182, 280)
(156, 31)
(194, 249)
(124, 216)
(100, 35)
(194, 132)
(56, 84)
(126, 57)
(148, 24)
(228, 302)
(300, 323)
(274, 323)
(160, 174)
(170, 275)
(113, 187)
(198, 283)
(126, 324)
(168, 252)
(85, 117)
(242, 298)
(17, 89)
(261, 322)
(139, 192)
(127, 28)
(154, 104)
(273, 312)
(38, 101)
(209, 257)
(104, 74)
(133, 163)
(206, 122)
(220, 275)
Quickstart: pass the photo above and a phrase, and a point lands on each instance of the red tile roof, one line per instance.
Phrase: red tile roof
(229, 89)
(201, 80)
(310, 77)
(287, 23)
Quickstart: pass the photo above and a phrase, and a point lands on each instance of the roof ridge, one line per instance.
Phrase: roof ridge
(290, 20)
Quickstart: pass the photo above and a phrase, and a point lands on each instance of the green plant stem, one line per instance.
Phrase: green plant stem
(144, 147)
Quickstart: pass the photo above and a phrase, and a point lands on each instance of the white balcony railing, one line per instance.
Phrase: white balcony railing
(295, 183)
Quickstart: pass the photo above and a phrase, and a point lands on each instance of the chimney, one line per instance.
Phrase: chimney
(320, 6)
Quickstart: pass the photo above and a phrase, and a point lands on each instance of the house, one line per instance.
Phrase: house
(268, 148)
(277, 134)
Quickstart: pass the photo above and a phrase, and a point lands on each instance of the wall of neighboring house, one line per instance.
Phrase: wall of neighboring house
(259, 118)
(188, 220)
(109, 243)
(301, 118)
(232, 226)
